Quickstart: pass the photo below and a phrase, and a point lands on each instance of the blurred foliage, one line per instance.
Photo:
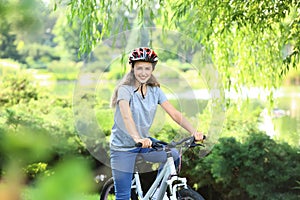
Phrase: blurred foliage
(242, 119)
(72, 179)
(67, 37)
(65, 70)
(38, 141)
(41, 155)
(17, 88)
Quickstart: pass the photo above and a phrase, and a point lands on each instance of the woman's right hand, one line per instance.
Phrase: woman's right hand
(146, 142)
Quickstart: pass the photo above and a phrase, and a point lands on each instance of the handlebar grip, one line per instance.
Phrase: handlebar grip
(204, 137)
(139, 144)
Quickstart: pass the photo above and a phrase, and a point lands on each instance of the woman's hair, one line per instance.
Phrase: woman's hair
(129, 79)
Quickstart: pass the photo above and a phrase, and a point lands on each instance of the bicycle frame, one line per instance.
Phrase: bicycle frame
(166, 177)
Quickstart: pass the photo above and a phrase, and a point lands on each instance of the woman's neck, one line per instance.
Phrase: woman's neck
(138, 85)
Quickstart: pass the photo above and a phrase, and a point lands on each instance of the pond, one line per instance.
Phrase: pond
(286, 119)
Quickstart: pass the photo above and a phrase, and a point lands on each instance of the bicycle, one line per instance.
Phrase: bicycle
(167, 182)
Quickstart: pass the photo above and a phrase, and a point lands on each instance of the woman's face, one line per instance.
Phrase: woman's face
(142, 71)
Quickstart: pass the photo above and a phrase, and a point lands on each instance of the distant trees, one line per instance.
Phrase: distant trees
(33, 34)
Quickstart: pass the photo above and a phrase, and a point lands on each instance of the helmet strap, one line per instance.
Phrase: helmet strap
(142, 90)
(140, 86)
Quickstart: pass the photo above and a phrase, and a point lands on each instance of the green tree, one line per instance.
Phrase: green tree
(25, 33)
(256, 39)
(67, 36)
(8, 47)
(17, 19)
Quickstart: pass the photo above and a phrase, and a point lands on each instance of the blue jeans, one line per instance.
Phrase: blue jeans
(123, 162)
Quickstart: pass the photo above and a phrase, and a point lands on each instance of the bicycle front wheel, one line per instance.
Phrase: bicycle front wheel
(189, 194)
(108, 191)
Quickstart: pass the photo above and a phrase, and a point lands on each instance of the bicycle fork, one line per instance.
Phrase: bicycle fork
(172, 178)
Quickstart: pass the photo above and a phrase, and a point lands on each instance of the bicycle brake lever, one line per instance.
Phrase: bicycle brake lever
(194, 144)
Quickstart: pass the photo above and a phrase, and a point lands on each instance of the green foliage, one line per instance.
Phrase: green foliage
(26, 107)
(36, 134)
(67, 37)
(17, 88)
(18, 146)
(258, 168)
(35, 169)
(242, 119)
(71, 179)
(8, 48)
(38, 56)
(65, 70)
(105, 118)
(15, 16)
(25, 13)
(251, 43)
(245, 163)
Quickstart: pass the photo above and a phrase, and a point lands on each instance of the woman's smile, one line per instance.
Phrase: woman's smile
(142, 71)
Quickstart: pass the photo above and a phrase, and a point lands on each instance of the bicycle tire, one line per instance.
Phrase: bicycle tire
(108, 191)
(188, 194)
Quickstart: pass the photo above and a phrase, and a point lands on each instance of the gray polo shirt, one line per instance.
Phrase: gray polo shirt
(143, 112)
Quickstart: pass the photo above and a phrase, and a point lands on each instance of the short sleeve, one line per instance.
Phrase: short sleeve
(124, 93)
(161, 96)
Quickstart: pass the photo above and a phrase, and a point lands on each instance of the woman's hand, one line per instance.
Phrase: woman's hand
(199, 136)
(146, 142)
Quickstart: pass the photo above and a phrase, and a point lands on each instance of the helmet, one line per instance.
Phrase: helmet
(143, 54)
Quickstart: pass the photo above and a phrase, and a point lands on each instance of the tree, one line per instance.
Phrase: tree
(67, 36)
(256, 39)
(24, 33)
(8, 48)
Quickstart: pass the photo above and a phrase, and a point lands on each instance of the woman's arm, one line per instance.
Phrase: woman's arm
(130, 124)
(180, 119)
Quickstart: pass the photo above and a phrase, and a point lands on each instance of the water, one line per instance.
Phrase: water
(287, 125)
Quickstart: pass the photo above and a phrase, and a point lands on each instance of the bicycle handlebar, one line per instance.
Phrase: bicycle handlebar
(189, 142)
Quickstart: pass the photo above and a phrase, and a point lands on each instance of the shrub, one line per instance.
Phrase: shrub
(258, 168)
(17, 88)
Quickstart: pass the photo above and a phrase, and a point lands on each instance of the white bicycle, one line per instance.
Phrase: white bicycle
(167, 185)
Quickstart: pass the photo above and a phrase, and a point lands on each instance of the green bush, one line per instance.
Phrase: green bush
(245, 163)
(258, 168)
(35, 169)
(17, 88)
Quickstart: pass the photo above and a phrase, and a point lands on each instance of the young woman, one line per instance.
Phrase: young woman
(136, 99)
